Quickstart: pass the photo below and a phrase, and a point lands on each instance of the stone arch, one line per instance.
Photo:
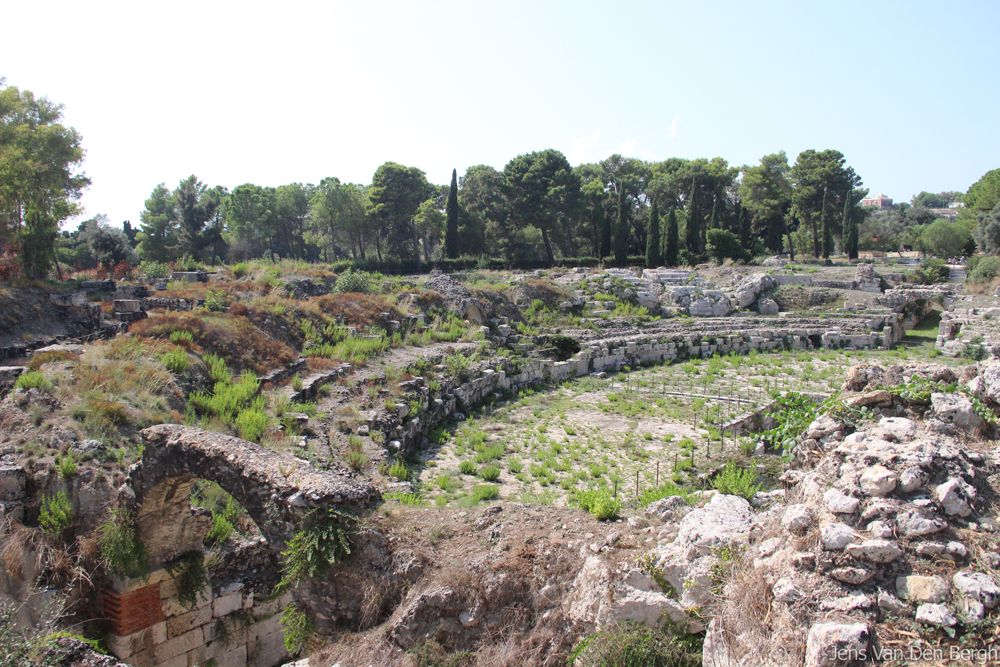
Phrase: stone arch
(275, 490)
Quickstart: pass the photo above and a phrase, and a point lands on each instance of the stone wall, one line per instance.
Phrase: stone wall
(613, 354)
(149, 627)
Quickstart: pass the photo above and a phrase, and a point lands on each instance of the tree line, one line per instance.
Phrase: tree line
(537, 210)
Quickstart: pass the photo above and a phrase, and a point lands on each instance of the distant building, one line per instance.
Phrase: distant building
(956, 204)
(881, 201)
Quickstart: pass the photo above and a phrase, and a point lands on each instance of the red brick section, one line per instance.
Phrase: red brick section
(133, 611)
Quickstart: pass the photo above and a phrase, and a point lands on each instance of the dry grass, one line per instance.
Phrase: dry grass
(359, 310)
(234, 338)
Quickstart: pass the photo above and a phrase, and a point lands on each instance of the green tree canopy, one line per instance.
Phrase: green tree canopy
(541, 189)
(39, 184)
(393, 199)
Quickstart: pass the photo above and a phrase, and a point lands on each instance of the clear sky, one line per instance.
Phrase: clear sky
(280, 92)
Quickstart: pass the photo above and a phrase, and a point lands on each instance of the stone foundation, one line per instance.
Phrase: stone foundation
(149, 627)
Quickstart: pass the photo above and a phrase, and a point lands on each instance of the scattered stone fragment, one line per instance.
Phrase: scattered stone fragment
(880, 530)
(836, 536)
(797, 518)
(978, 586)
(922, 589)
(852, 575)
(878, 481)
(900, 428)
(828, 640)
(954, 498)
(910, 480)
(915, 525)
(838, 503)
(936, 614)
(877, 551)
(785, 590)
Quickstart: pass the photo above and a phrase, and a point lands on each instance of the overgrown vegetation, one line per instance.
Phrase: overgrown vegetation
(122, 551)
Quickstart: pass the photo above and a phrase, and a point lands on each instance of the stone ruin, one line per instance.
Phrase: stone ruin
(234, 621)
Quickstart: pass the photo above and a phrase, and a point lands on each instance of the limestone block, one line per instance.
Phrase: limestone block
(178, 625)
(123, 647)
(179, 645)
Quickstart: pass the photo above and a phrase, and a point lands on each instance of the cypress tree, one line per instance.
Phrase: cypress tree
(653, 258)
(451, 231)
(621, 231)
(670, 256)
(605, 234)
(850, 233)
(827, 232)
(692, 235)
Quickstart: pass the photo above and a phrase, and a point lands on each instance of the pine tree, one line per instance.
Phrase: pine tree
(653, 258)
(621, 231)
(451, 231)
(673, 240)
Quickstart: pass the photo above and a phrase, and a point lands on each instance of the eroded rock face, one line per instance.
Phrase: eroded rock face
(460, 300)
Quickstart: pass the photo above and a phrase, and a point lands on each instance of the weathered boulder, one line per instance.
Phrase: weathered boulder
(686, 563)
(957, 410)
(460, 300)
(746, 291)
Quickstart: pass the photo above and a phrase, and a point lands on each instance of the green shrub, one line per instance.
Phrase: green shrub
(664, 490)
(399, 471)
(322, 541)
(467, 468)
(176, 361)
(181, 336)
(56, 514)
(482, 492)
(404, 498)
(299, 629)
(190, 576)
(931, 271)
(490, 453)
(217, 301)
(154, 270)
(356, 459)
(222, 530)
(489, 473)
(631, 645)
(240, 269)
(217, 369)
(34, 380)
(351, 281)
(296, 382)
(252, 424)
(66, 465)
(600, 503)
(121, 549)
(734, 481)
(982, 268)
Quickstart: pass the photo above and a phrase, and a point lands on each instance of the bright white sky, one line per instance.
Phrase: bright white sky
(274, 93)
